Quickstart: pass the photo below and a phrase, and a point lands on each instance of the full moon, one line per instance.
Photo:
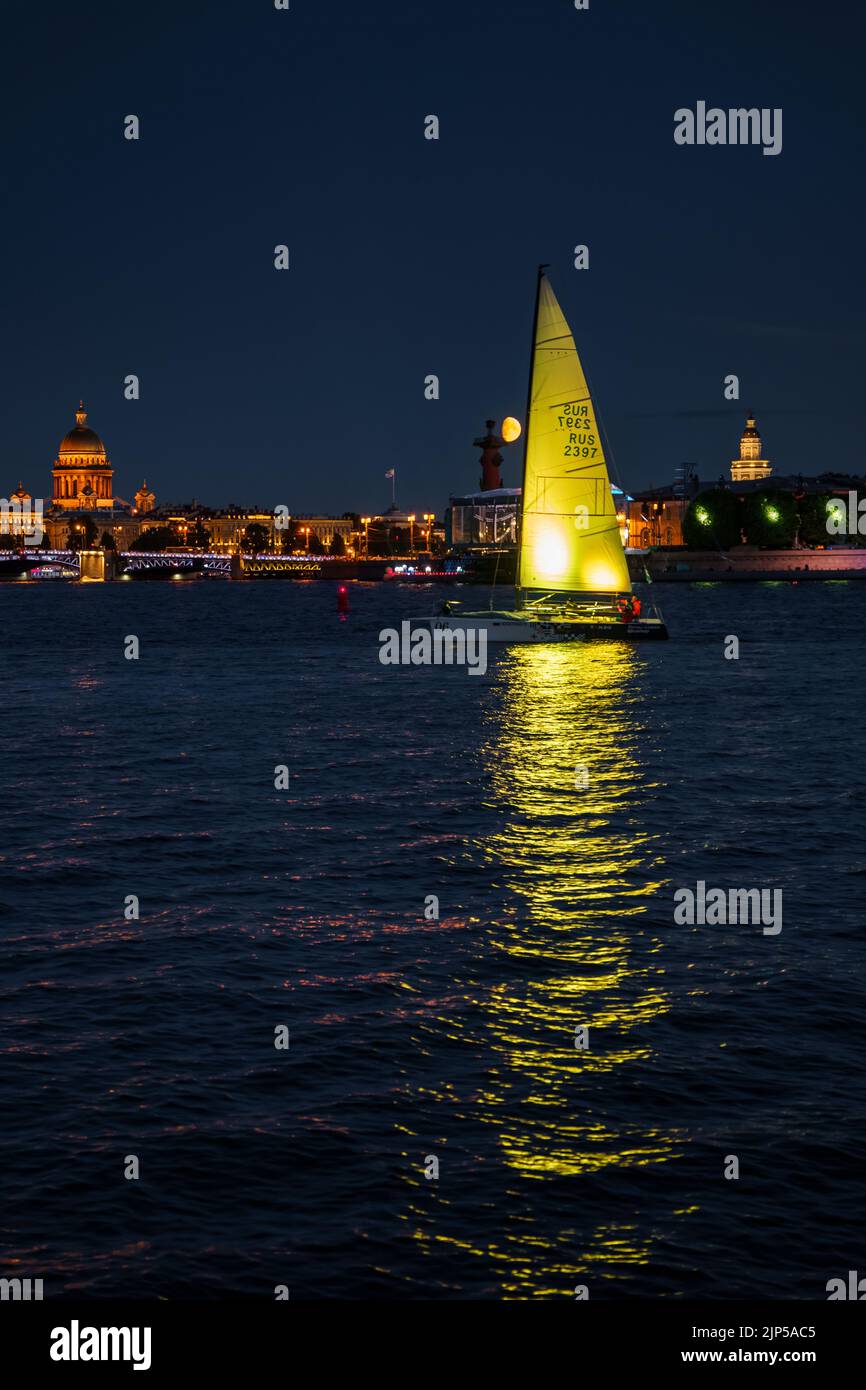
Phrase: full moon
(511, 429)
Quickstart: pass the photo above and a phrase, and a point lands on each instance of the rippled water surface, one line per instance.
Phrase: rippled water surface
(413, 1038)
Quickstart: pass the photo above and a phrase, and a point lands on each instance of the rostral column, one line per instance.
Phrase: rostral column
(491, 459)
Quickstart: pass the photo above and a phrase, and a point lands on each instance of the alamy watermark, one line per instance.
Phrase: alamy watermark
(846, 518)
(442, 646)
(22, 517)
(736, 126)
(21, 1290)
(854, 1288)
(716, 907)
(77, 1343)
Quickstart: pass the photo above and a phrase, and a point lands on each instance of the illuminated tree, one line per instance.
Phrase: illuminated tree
(770, 518)
(813, 511)
(713, 521)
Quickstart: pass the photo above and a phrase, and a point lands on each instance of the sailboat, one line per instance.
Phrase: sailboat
(573, 582)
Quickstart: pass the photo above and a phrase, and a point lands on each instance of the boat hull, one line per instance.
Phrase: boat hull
(518, 628)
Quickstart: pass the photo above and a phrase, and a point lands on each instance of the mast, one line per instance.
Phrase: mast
(541, 270)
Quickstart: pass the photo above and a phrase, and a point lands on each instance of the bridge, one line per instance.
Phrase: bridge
(15, 564)
(166, 564)
(177, 562)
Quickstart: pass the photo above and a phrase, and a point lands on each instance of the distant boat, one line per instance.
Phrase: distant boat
(52, 572)
(573, 582)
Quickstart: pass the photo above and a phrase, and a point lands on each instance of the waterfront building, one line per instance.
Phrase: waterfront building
(220, 530)
(750, 467)
(655, 517)
(397, 532)
(483, 519)
(62, 527)
(325, 528)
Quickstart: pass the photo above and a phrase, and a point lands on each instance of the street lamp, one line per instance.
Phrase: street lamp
(411, 533)
(306, 531)
(366, 520)
(429, 518)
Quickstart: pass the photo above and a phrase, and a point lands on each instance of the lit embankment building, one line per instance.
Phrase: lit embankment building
(656, 517)
(83, 508)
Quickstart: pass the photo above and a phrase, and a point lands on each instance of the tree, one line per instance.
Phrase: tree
(770, 518)
(338, 545)
(713, 521)
(199, 536)
(8, 542)
(82, 533)
(107, 541)
(316, 545)
(255, 537)
(813, 510)
(156, 538)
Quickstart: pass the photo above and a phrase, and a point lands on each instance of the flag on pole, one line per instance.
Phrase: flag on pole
(390, 473)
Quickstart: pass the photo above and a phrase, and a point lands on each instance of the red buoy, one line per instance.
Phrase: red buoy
(342, 599)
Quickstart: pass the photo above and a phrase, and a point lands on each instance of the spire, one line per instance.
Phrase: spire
(80, 414)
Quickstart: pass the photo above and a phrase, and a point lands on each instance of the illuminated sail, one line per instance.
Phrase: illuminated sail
(570, 540)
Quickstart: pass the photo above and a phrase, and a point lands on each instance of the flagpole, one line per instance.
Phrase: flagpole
(393, 487)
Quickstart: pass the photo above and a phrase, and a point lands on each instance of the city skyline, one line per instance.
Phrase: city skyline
(411, 257)
(85, 483)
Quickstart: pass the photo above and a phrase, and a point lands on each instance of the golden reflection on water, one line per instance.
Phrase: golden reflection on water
(577, 862)
(573, 867)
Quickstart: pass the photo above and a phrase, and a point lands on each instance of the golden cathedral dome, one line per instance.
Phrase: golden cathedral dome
(81, 442)
(82, 474)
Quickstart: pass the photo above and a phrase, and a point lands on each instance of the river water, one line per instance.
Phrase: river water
(414, 1039)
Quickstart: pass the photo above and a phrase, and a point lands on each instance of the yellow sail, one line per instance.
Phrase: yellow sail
(569, 540)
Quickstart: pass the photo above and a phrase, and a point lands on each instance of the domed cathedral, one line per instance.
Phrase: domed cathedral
(750, 466)
(82, 473)
(145, 499)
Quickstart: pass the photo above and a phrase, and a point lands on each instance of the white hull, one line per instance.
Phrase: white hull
(516, 628)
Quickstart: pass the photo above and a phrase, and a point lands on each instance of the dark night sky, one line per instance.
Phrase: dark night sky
(411, 257)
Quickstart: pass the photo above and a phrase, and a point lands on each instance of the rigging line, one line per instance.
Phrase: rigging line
(495, 573)
(602, 427)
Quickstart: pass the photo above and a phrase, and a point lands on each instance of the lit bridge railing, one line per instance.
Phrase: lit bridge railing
(34, 557)
(138, 561)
